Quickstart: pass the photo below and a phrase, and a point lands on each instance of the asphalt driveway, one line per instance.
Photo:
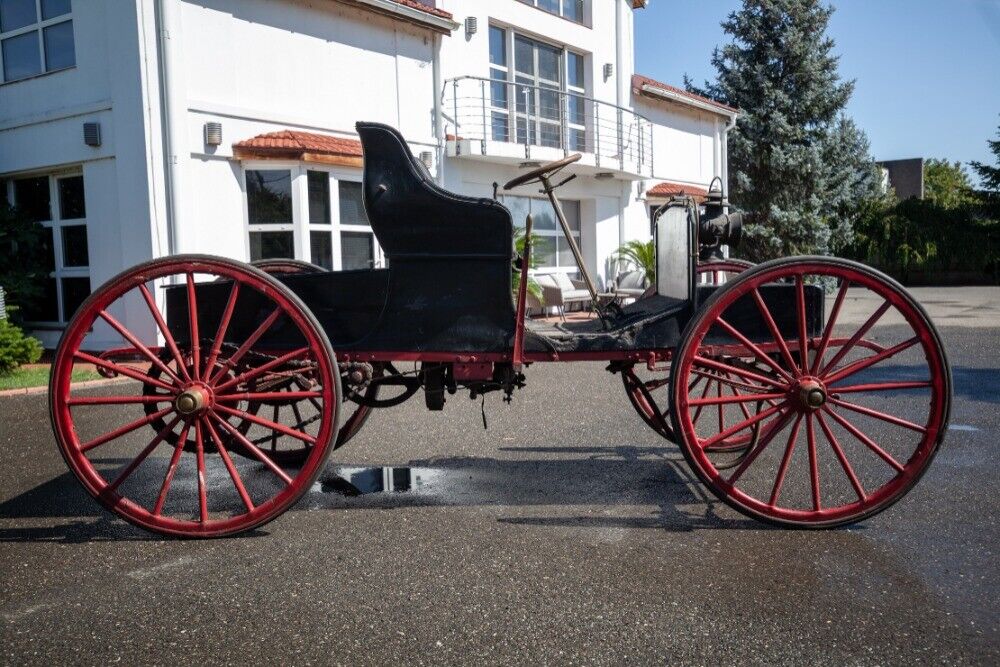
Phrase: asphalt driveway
(567, 533)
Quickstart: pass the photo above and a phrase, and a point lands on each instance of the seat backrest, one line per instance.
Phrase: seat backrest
(411, 215)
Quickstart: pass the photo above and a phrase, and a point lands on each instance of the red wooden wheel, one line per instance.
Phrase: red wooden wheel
(853, 410)
(720, 271)
(204, 385)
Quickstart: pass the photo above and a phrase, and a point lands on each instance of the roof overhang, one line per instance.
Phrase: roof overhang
(688, 101)
(441, 23)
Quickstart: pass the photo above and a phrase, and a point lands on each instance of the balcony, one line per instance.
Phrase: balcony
(510, 123)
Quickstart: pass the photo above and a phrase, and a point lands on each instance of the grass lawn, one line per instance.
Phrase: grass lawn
(38, 376)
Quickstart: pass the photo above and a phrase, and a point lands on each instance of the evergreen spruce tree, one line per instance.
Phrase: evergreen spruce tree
(797, 165)
(990, 177)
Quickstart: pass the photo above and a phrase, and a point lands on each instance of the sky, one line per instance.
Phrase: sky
(927, 71)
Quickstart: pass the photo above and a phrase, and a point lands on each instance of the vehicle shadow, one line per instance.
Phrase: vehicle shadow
(617, 484)
(621, 486)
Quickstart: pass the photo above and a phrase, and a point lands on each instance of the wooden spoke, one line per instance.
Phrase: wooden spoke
(865, 440)
(220, 334)
(858, 335)
(171, 469)
(137, 344)
(785, 460)
(867, 362)
(269, 396)
(119, 400)
(848, 470)
(228, 461)
(247, 344)
(738, 372)
(124, 370)
(200, 455)
(130, 468)
(879, 415)
(813, 463)
(772, 430)
(759, 353)
(800, 309)
(263, 368)
(253, 449)
(737, 398)
(267, 423)
(127, 428)
(742, 426)
(193, 326)
(775, 333)
(879, 386)
(162, 325)
(830, 324)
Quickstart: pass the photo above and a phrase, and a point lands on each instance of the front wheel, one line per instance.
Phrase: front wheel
(850, 408)
(218, 320)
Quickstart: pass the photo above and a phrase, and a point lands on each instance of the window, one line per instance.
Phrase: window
(36, 36)
(309, 214)
(358, 249)
(548, 87)
(269, 212)
(551, 250)
(569, 9)
(58, 203)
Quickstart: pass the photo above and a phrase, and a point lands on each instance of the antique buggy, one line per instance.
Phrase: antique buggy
(807, 391)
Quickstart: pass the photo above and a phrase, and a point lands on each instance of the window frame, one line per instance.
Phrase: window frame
(556, 233)
(301, 227)
(39, 27)
(56, 223)
(535, 119)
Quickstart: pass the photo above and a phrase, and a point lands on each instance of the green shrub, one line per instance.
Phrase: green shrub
(16, 348)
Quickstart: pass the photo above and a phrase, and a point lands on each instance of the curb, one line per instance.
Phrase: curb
(27, 391)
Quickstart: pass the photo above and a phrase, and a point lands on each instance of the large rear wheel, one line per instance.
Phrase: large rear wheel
(222, 319)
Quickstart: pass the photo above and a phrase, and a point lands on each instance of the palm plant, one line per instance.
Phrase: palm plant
(534, 289)
(641, 256)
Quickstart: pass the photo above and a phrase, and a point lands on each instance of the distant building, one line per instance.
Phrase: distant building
(905, 177)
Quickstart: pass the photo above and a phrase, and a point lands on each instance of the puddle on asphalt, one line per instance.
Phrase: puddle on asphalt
(350, 481)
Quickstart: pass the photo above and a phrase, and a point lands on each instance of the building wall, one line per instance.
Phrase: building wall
(317, 67)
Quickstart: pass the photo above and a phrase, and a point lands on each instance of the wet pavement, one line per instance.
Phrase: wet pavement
(568, 533)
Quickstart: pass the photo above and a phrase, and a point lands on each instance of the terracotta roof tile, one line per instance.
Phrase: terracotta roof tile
(638, 81)
(294, 141)
(668, 189)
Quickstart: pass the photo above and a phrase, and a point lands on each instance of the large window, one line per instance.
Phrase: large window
(569, 9)
(538, 95)
(310, 214)
(552, 251)
(36, 36)
(58, 203)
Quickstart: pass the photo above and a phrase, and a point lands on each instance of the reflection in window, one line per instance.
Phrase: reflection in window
(551, 249)
(321, 249)
(357, 250)
(71, 199)
(269, 196)
(74, 243)
(319, 197)
(33, 42)
(352, 204)
(33, 198)
(271, 245)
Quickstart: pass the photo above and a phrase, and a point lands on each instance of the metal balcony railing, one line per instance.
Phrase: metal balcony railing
(491, 110)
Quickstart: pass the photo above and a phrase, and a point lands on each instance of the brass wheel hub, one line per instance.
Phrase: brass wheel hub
(812, 394)
(192, 401)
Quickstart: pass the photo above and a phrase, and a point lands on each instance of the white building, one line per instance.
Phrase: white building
(111, 113)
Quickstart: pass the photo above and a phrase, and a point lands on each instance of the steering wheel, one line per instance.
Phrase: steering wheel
(538, 173)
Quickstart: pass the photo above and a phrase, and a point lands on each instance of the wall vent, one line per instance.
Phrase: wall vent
(427, 157)
(471, 26)
(213, 134)
(92, 134)
(609, 69)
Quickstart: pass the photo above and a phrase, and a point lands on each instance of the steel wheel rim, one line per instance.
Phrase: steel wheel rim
(816, 427)
(105, 490)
